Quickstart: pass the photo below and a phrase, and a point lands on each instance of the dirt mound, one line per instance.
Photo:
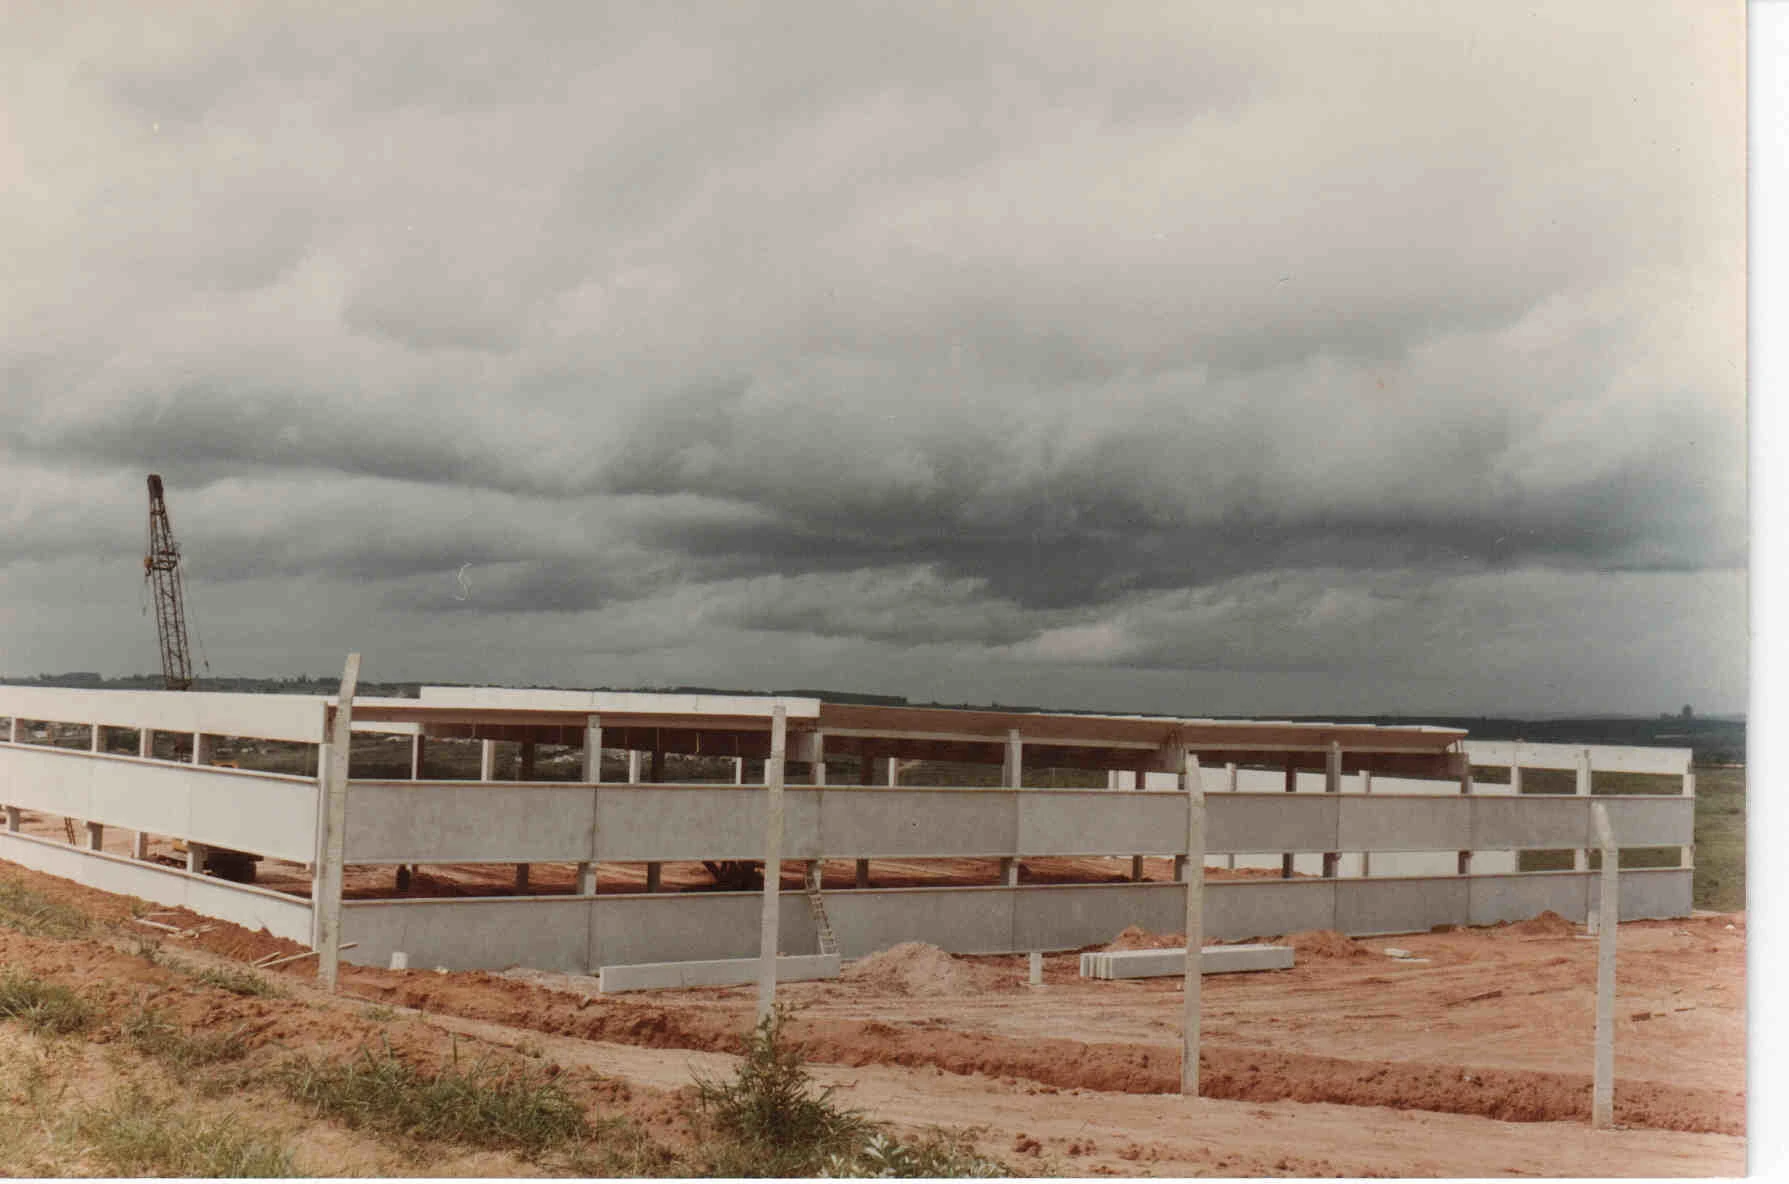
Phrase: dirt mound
(1135, 937)
(914, 968)
(1312, 945)
(1548, 924)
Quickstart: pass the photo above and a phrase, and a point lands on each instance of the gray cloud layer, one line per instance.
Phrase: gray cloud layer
(1217, 358)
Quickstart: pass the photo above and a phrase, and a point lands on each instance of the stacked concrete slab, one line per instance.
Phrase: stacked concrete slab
(1161, 963)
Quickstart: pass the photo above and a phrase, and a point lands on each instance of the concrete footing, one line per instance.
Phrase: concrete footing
(1162, 963)
(723, 972)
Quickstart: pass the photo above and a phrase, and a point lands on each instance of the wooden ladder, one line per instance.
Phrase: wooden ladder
(829, 944)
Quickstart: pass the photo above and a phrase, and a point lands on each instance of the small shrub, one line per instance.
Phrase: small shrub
(482, 1107)
(36, 915)
(153, 1035)
(131, 1134)
(44, 1008)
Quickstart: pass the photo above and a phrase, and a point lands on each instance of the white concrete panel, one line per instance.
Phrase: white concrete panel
(1604, 758)
(886, 823)
(961, 920)
(1399, 905)
(468, 822)
(1516, 898)
(698, 822)
(615, 702)
(266, 813)
(1649, 892)
(1101, 822)
(266, 717)
(1068, 916)
(725, 972)
(694, 926)
(1646, 821)
(471, 933)
(1530, 821)
(243, 904)
(1237, 909)
(1401, 822)
(1271, 822)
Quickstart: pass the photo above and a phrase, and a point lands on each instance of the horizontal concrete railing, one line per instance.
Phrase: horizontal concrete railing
(499, 822)
(297, 718)
(264, 813)
(1604, 758)
(580, 934)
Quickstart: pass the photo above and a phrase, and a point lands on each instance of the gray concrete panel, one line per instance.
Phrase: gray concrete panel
(471, 933)
(246, 812)
(889, 823)
(1530, 821)
(1101, 822)
(639, 823)
(1068, 916)
(1493, 899)
(725, 972)
(1399, 905)
(1648, 893)
(693, 926)
(1271, 822)
(961, 920)
(1239, 909)
(1645, 821)
(1398, 822)
(461, 822)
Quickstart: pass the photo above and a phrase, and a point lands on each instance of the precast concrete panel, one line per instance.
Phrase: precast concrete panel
(1101, 822)
(1400, 822)
(1402, 905)
(471, 933)
(258, 813)
(264, 717)
(241, 904)
(1492, 899)
(1648, 892)
(890, 823)
(1530, 821)
(692, 926)
(1240, 908)
(659, 822)
(961, 920)
(460, 822)
(1271, 822)
(1640, 820)
(1604, 758)
(1068, 916)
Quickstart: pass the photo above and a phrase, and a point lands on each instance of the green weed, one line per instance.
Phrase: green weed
(44, 1008)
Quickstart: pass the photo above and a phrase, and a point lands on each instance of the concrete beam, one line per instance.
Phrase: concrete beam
(1118, 964)
(722, 972)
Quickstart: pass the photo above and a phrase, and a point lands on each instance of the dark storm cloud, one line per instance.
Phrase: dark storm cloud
(850, 339)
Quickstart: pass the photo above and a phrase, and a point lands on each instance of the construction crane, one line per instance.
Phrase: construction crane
(161, 567)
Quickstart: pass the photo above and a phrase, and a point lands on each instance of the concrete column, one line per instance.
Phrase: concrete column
(202, 748)
(12, 819)
(139, 845)
(525, 767)
(1332, 783)
(487, 760)
(1686, 856)
(1366, 857)
(1602, 1097)
(633, 766)
(1287, 858)
(773, 862)
(1463, 862)
(1581, 857)
(655, 877)
(145, 742)
(1012, 772)
(1515, 780)
(15, 731)
(1036, 966)
(416, 743)
(819, 758)
(332, 834)
(96, 836)
(97, 739)
(592, 774)
(894, 770)
(1112, 779)
(195, 857)
(1009, 872)
(1230, 787)
(1192, 785)
(738, 770)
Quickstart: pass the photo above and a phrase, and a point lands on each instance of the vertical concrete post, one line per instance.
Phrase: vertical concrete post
(633, 766)
(195, 857)
(1332, 783)
(1111, 778)
(773, 861)
(738, 770)
(487, 760)
(416, 743)
(139, 845)
(97, 738)
(13, 816)
(1366, 857)
(592, 774)
(1581, 857)
(145, 742)
(1012, 770)
(1230, 784)
(1463, 861)
(1009, 871)
(1602, 1097)
(819, 767)
(1286, 858)
(1036, 967)
(1137, 872)
(894, 770)
(14, 730)
(1686, 856)
(96, 836)
(1191, 785)
(202, 748)
(327, 900)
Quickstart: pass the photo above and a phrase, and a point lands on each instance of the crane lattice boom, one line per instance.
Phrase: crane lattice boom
(161, 567)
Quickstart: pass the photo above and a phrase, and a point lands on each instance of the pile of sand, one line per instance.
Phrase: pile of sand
(1135, 937)
(914, 968)
(1548, 924)
(1318, 944)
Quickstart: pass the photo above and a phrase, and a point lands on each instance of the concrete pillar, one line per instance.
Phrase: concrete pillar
(145, 742)
(139, 845)
(195, 857)
(416, 743)
(1286, 858)
(633, 766)
(1332, 783)
(1230, 783)
(1192, 785)
(15, 730)
(592, 774)
(333, 832)
(525, 767)
(655, 877)
(1581, 857)
(1366, 857)
(1463, 862)
(894, 770)
(1602, 1097)
(769, 919)
(1012, 772)
(96, 836)
(819, 758)
(487, 760)
(12, 819)
(97, 738)
(738, 770)
(1515, 780)
(587, 879)
(1009, 872)
(1686, 856)
(1036, 966)
(1112, 779)
(202, 748)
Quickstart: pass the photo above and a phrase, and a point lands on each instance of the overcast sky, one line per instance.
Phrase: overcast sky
(1208, 358)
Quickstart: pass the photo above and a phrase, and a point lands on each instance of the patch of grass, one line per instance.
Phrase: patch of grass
(47, 1009)
(481, 1107)
(153, 1034)
(132, 1134)
(938, 1154)
(233, 979)
(380, 1014)
(37, 915)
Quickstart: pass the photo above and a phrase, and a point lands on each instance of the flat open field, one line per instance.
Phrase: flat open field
(1476, 1062)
